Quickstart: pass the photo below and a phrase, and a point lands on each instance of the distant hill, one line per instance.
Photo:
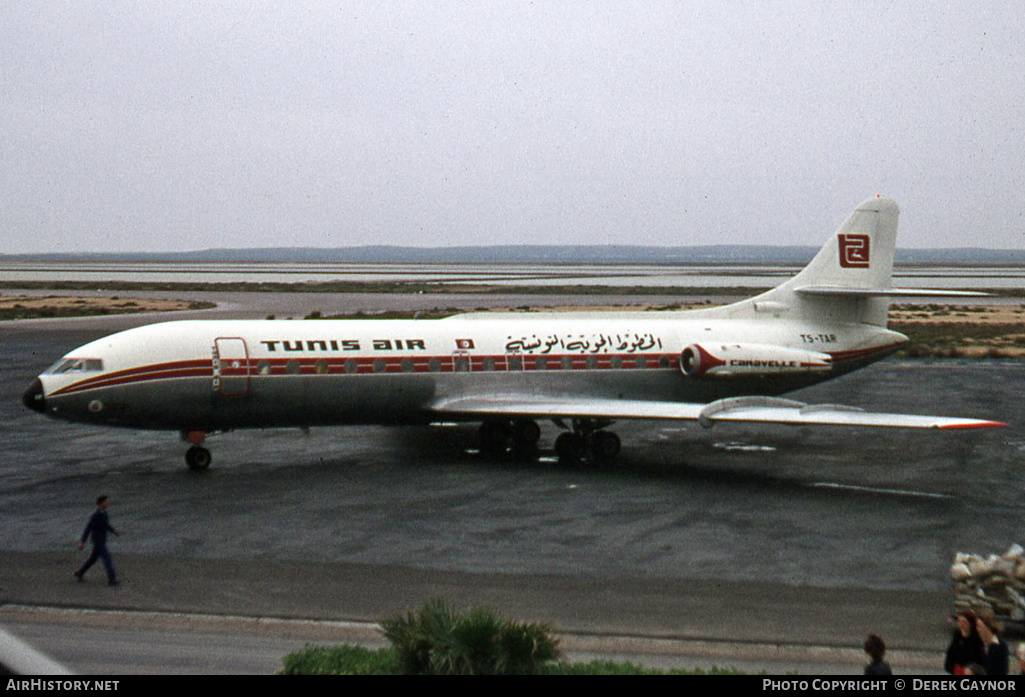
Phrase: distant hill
(529, 254)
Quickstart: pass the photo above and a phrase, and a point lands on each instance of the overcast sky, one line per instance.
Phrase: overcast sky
(155, 126)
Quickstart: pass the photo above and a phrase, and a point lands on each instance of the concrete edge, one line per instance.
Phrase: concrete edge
(369, 634)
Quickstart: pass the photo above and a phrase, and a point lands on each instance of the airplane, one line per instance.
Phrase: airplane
(582, 371)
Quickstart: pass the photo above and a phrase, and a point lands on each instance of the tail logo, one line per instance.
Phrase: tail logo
(854, 251)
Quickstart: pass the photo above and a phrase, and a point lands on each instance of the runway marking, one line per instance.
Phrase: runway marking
(876, 490)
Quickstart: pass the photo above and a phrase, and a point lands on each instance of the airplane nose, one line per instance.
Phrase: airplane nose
(33, 397)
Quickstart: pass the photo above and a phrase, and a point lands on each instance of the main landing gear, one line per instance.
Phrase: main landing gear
(197, 457)
(586, 441)
(497, 435)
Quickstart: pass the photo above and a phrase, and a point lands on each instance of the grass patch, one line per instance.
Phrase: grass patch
(33, 308)
(961, 339)
(341, 660)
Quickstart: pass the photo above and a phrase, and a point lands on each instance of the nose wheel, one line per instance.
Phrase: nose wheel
(198, 458)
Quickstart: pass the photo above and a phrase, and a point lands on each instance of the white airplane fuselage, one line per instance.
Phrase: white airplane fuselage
(206, 375)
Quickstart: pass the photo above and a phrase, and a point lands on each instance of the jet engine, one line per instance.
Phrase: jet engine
(747, 360)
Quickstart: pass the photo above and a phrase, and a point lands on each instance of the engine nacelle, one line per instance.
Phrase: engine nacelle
(747, 360)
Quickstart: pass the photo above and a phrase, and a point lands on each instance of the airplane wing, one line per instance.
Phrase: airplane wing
(733, 409)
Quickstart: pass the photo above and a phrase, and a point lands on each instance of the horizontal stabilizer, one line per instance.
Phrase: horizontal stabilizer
(736, 409)
(839, 291)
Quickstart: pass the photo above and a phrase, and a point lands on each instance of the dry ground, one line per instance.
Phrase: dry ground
(28, 307)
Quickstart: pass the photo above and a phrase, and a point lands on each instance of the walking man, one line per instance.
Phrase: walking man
(97, 528)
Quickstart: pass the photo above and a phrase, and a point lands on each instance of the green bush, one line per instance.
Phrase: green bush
(439, 640)
(341, 660)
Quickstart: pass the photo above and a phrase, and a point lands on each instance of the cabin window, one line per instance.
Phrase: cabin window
(515, 362)
(641, 363)
(462, 364)
(292, 367)
(663, 361)
(592, 362)
(407, 365)
(434, 365)
(567, 363)
(263, 368)
(321, 366)
(351, 366)
(617, 362)
(489, 363)
(379, 366)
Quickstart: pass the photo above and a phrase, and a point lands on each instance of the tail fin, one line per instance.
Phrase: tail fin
(848, 280)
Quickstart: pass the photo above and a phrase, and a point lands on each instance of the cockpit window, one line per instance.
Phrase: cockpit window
(76, 365)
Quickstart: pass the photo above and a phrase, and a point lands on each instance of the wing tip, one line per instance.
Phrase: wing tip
(973, 424)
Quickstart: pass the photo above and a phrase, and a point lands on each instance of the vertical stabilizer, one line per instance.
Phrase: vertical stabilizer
(859, 257)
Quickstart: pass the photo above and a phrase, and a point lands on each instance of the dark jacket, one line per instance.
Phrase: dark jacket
(97, 528)
(964, 651)
(879, 667)
(996, 658)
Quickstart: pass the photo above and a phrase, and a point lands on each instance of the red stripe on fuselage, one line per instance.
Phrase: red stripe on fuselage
(160, 371)
(840, 356)
(368, 365)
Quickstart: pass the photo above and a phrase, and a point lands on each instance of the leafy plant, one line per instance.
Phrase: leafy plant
(440, 640)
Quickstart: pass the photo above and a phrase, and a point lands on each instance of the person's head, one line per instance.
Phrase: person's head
(966, 623)
(1020, 655)
(875, 647)
(102, 502)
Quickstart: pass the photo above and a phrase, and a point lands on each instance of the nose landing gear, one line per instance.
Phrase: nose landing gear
(197, 457)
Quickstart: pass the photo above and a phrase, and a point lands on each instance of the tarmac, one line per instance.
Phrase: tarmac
(827, 537)
(651, 621)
